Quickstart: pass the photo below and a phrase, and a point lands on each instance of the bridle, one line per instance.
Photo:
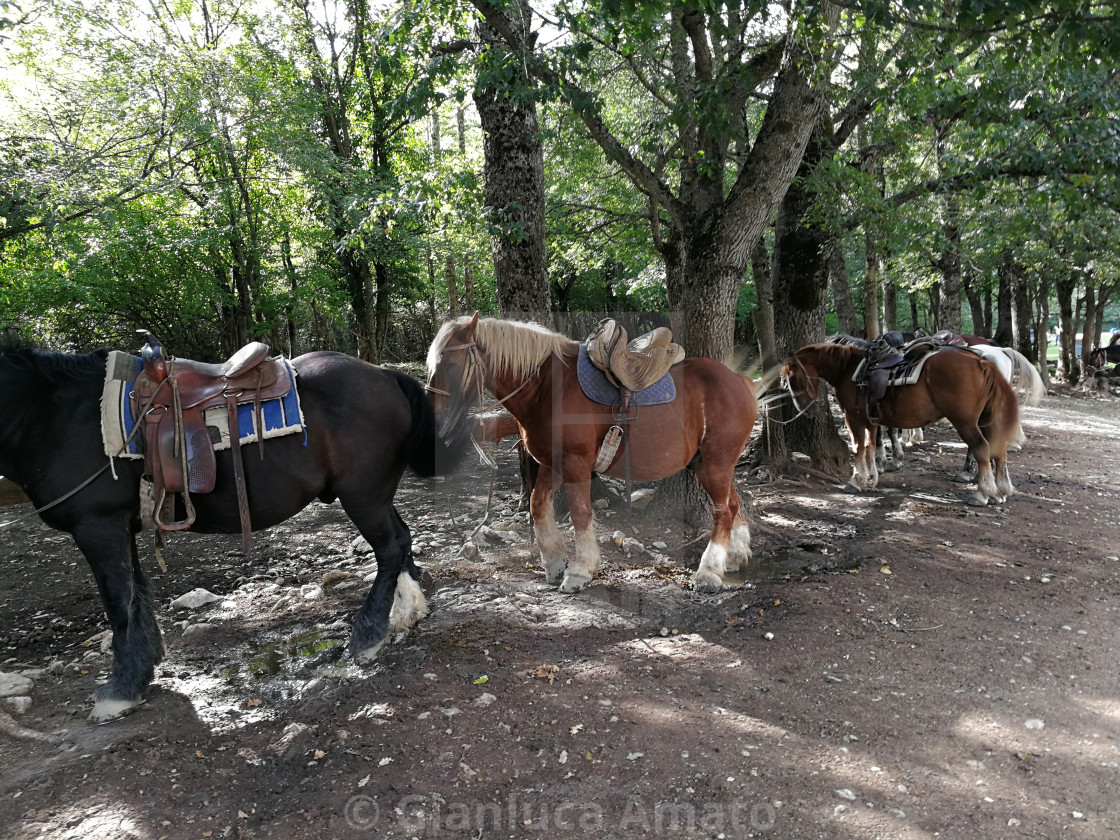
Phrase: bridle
(472, 374)
(788, 386)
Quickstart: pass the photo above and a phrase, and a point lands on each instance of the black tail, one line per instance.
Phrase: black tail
(428, 453)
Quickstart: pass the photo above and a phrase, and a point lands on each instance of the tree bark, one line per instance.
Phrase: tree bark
(1003, 335)
(871, 279)
(890, 304)
(1088, 325)
(841, 289)
(975, 304)
(764, 312)
(1068, 369)
(514, 175)
(1021, 320)
(452, 286)
(949, 263)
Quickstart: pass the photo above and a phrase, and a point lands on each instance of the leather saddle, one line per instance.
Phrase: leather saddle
(890, 358)
(170, 396)
(632, 365)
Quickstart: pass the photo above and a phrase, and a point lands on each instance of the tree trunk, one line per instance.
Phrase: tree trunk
(987, 312)
(890, 304)
(468, 287)
(871, 279)
(1021, 320)
(382, 311)
(1068, 369)
(1004, 334)
(452, 287)
(914, 322)
(975, 304)
(841, 290)
(1042, 330)
(949, 263)
(1088, 325)
(764, 312)
(514, 175)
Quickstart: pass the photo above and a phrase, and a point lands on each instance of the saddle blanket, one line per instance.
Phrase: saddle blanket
(599, 389)
(282, 416)
(904, 374)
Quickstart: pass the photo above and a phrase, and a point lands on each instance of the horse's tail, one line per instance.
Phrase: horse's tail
(1029, 379)
(1003, 407)
(428, 453)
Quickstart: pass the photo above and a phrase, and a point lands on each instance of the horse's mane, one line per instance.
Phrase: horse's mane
(52, 367)
(516, 348)
(847, 340)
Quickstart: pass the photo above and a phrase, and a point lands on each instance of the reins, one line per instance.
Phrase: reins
(793, 397)
(96, 475)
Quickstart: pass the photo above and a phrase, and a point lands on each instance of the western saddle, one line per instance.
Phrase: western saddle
(630, 366)
(170, 396)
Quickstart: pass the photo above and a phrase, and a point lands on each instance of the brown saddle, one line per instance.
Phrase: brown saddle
(636, 364)
(171, 396)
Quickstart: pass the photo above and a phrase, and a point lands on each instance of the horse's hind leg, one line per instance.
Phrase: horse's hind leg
(549, 539)
(969, 470)
(409, 603)
(585, 564)
(110, 549)
(981, 451)
(739, 545)
(720, 486)
(386, 532)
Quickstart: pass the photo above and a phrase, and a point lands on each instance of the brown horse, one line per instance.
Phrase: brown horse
(955, 384)
(532, 372)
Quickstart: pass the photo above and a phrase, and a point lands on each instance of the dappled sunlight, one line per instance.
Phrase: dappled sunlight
(86, 820)
(1030, 736)
(857, 820)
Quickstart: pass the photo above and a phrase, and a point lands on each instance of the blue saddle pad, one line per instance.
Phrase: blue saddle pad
(600, 389)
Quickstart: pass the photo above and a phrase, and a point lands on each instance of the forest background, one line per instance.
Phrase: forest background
(344, 173)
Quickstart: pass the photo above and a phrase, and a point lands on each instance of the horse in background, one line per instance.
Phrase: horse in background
(363, 426)
(955, 384)
(1012, 364)
(532, 373)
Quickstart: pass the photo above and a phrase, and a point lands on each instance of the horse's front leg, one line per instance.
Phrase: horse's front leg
(549, 539)
(860, 471)
(109, 547)
(582, 569)
(395, 601)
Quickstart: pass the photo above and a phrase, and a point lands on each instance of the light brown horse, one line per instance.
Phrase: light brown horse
(970, 392)
(532, 373)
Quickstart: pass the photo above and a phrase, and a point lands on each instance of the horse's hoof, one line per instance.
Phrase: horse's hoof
(890, 466)
(105, 711)
(707, 584)
(977, 501)
(554, 572)
(964, 478)
(367, 655)
(851, 488)
(574, 582)
(1014, 447)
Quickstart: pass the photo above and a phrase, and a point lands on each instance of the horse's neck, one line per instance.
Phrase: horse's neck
(834, 362)
(519, 393)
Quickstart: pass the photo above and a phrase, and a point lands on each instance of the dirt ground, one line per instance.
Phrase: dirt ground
(896, 665)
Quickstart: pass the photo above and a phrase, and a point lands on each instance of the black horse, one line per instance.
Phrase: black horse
(364, 426)
(1107, 355)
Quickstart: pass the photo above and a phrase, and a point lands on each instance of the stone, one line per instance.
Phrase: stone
(360, 545)
(12, 685)
(194, 599)
(640, 499)
(18, 704)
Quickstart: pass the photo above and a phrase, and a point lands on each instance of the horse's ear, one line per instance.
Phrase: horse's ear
(472, 324)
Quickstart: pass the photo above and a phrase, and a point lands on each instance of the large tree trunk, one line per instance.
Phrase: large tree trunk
(514, 174)
(800, 280)
(949, 263)
(1042, 330)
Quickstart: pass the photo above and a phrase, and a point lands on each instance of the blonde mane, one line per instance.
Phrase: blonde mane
(516, 348)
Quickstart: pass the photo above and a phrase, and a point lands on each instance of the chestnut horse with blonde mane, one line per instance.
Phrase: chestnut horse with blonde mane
(532, 373)
(968, 391)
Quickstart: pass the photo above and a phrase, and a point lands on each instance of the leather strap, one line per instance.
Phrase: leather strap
(239, 473)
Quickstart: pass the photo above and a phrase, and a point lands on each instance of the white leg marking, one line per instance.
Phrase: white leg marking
(107, 710)
(409, 604)
(739, 548)
(551, 543)
(1004, 482)
(987, 484)
(585, 564)
(709, 577)
(364, 657)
